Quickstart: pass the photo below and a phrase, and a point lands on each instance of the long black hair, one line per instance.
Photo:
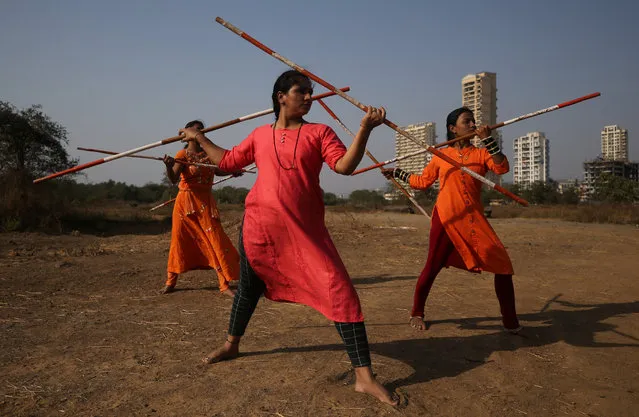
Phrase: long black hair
(284, 83)
(451, 119)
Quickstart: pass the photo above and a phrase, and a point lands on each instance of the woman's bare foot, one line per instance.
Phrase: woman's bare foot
(229, 292)
(366, 383)
(417, 322)
(227, 351)
(167, 289)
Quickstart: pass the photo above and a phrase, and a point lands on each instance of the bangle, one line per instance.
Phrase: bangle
(491, 145)
(400, 174)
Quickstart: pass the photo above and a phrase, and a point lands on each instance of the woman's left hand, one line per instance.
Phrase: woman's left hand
(168, 161)
(189, 133)
(373, 118)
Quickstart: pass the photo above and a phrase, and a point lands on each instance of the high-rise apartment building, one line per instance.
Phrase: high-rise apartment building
(531, 154)
(614, 143)
(479, 93)
(424, 133)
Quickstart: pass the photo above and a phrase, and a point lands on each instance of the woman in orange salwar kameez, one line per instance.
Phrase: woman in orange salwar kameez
(285, 249)
(198, 240)
(460, 234)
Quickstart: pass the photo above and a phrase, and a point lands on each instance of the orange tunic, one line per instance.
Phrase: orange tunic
(461, 211)
(198, 240)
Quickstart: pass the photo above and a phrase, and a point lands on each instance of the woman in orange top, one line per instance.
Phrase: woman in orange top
(460, 235)
(198, 240)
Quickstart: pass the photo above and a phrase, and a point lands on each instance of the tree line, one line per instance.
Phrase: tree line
(32, 145)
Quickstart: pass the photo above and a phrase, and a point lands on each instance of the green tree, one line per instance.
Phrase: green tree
(366, 198)
(31, 143)
(540, 192)
(331, 199)
(570, 195)
(614, 189)
(426, 197)
(488, 194)
(230, 195)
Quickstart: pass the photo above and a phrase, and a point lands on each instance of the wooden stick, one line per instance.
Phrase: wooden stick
(364, 108)
(370, 155)
(166, 203)
(168, 140)
(493, 127)
(156, 158)
(249, 169)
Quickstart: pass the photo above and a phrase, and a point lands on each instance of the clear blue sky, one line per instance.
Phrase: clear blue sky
(120, 74)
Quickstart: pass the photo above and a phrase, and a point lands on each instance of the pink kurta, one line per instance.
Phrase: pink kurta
(285, 238)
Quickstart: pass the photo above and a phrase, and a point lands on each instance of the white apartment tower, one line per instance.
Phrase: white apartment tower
(479, 93)
(425, 133)
(614, 143)
(532, 159)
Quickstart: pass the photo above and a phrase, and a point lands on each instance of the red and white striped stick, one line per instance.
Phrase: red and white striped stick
(155, 158)
(166, 203)
(472, 135)
(370, 155)
(364, 108)
(249, 170)
(169, 140)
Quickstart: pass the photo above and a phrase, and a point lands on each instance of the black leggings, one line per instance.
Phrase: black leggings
(248, 294)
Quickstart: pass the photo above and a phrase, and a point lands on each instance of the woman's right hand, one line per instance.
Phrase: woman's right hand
(168, 161)
(388, 172)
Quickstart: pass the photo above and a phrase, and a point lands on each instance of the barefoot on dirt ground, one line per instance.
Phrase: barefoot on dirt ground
(227, 351)
(418, 323)
(366, 383)
(166, 290)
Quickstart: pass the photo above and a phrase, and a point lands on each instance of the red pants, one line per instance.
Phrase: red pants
(440, 248)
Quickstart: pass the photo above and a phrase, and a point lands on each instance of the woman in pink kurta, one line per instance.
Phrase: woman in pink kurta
(285, 238)
(286, 252)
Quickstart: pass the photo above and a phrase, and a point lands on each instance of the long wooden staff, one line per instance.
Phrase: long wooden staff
(155, 158)
(471, 135)
(364, 108)
(169, 140)
(166, 203)
(370, 155)
(249, 169)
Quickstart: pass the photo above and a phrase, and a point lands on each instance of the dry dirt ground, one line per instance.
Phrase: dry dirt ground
(85, 332)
